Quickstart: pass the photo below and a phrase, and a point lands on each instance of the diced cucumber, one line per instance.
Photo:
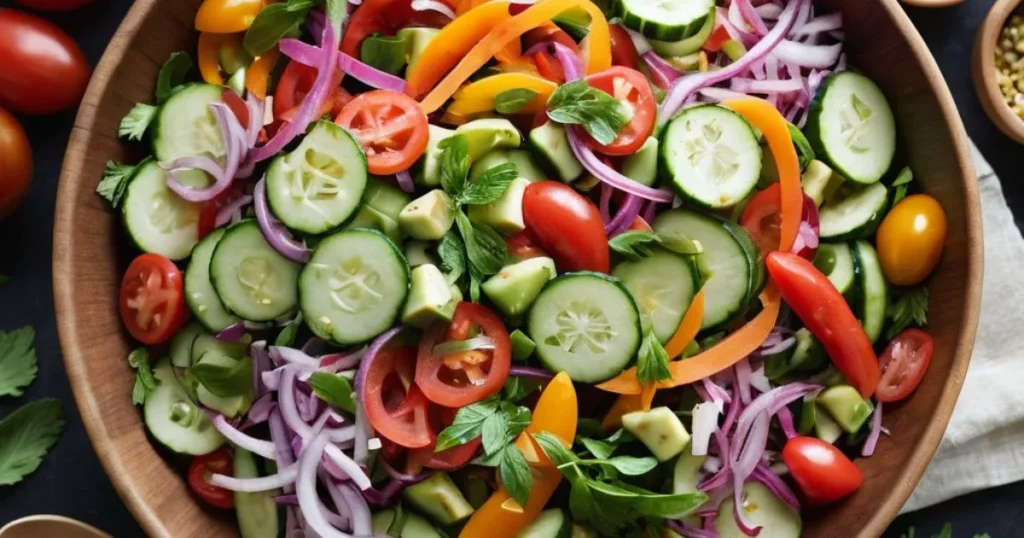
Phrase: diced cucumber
(416, 40)
(258, 515)
(665, 21)
(254, 281)
(488, 134)
(372, 219)
(642, 166)
(660, 430)
(851, 127)
(686, 46)
(428, 217)
(439, 499)
(384, 197)
(430, 298)
(419, 253)
(836, 262)
(414, 526)
(825, 428)
(174, 420)
(353, 287)
(846, 406)
(156, 218)
(521, 158)
(873, 292)
(552, 523)
(549, 143)
(185, 127)
(317, 186)
(853, 211)
(761, 508)
(180, 348)
(815, 181)
(427, 170)
(505, 214)
(663, 285)
(522, 346)
(711, 155)
(516, 286)
(200, 295)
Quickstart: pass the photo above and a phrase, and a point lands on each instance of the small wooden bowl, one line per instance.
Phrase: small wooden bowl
(983, 69)
(89, 258)
(50, 527)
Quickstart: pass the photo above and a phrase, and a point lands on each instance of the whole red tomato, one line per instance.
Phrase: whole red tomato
(567, 226)
(15, 163)
(54, 5)
(822, 471)
(42, 70)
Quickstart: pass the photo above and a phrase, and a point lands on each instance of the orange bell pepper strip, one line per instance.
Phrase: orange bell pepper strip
(456, 40)
(257, 77)
(208, 55)
(556, 413)
(479, 96)
(492, 44)
(597, 46)
(628, 403)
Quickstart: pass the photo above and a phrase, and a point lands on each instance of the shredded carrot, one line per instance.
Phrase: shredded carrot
(688, 328)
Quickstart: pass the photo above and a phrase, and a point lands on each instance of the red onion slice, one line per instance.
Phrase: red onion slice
(530, 372)
(274, 231)
(628, 212)
(751, 16)
(662, 74)
(370, 75)
(233, 136)
(876, 429)
(284, 476)
(705, 421)
(405, 182)
(819, 56)
(776, 485)
(433, 5)
(252, 444)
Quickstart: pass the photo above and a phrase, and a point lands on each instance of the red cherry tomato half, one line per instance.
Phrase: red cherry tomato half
(217, 462)
(296, 81)
(633, 90)
(822, 471)
(464, 378)
(386, 17)
(391, 127)
(762, 218)
(152, 301)
(42, 70)
(395, 406)
(903, 364)
(624, 52)
(640, 225)
(567, 226)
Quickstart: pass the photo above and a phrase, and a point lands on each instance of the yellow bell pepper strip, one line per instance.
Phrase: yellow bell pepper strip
(213, 47)
(257, 77)
(467, 5)
(556, 412)
(479, 96)
(597, 46)
(628, 403)
(494, 42)
(227, 16)
(455, 41)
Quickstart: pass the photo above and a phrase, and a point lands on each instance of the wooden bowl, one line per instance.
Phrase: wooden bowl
(932, 3)
(49, 526)
(983, 69)
(89, 258)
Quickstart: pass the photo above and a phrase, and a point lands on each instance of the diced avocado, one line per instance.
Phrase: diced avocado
(551, 523)
(430, 299)
(428, 217)
(489, 134)
(805, 354)
(229, 406)
(846, 406)
(522, 345)
(525, 166)
(505, 214)
(419, 253)
(825, 428)
(516, 286)
(549, 143)
(368, 217)
(412, 525)
(685, 478)
(660, 430)
(427, 170)
(387, 199)
(814, 180)
(642, 166)
(416, 41)
(439, 499)
(579, 531)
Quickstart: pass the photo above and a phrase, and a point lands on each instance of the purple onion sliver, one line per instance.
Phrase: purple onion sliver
(786, 421)
(226, 213)
(751, 16)
(776, 485)
(232, 333)
(252, 444)
(407, 479)
(405, 182)
(604, 203)
(609, 175)
(359, 510)
(876, 429)
(275, 232)
(662, 73)
(531, 372)
(284, 476)
(370, 75)
(628, 212)
(288, 499)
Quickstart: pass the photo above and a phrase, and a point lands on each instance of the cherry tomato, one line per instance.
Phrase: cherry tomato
(237, 106)
(822, 471)
(42, 70)
(217, 462)
(624, 52)
(464, 378)
(390, 126)
(903, 364)
(763, 219)
(394, 405)
(522, 246)
(208, 214)
(910, 239)
(152, 302)
(717, 38)
(640, 225)
(549, 67)
(386, 17)
(296, 81)
(227, 16)
(567, 226)
(54, 5)
(633, 90)
(447, 460)
(15, 163)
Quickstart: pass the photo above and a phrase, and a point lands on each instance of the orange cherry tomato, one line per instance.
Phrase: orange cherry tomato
(391, 127)
(633, 90)
(903, 364)
(227, 16)
(217, 462)
(910, 239)
(152, 302)
(15, 163)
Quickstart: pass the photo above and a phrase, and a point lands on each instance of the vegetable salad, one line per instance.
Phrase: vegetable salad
(521, 268)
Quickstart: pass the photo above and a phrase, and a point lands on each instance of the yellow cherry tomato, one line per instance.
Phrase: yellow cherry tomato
(910, 239)
(227, 16)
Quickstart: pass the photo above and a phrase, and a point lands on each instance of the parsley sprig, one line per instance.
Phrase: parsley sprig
(910, 310)
(145, 383)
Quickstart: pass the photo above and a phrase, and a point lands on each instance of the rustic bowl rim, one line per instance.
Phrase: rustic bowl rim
(983, 70)
(127, 487)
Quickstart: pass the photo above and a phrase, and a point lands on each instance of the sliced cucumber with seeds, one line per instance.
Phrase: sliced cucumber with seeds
(202, 299)
(853, 211)
(872, 290)
(686, 46)
(585, 324)
(663, 285)
(664, 20)
(185, 127)
(761, 509)
(711, 155)
(318, 186)
(174, 420)
(851, 127)
(156, 218)
(836, 262)
(254, 281)
(354, 286)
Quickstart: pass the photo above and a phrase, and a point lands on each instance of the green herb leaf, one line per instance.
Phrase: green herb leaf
(333, 389)
(26, 435)
(516, 388)
(468, 424)
(946, 532)
(627, 465)
(286, 338)
(225, 381)
(476, 278)
(513, 100)
(452, 252)
(634, 245)
(577, 103)
(652, 361)
(133, 126)
(909, 310)
(145, 383)
(552, 445)
(680, 244)
(275, 22)
(902, 184)
(517, 418)
(515, 474)
(172, 74)
(454, 164)
(646, 503)
(384, 53)
(485, 248)
(493, 433)
(17, 361)
(804, 151)
(603, 449)
(115, 182)
(489, 186)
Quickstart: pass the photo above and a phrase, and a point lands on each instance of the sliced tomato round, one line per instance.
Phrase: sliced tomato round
(296, 81)
(386, 17)
(624, 52)
(903, 365)
(467, 377)
(391, 127)
(394, 405)
(446, 460)
(217, 462)
(152, 302)
(633, 90)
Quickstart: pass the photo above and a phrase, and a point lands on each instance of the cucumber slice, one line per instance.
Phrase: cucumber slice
(711, 155)
(853, 212)
(873, 296)
(585, 324)
(836, 262)
(551, 523)
(156, 218)
(205, 342)
(184, 127)
(386, 199)
(686, 46)
(353, 287)
(686, 477)
(663, 285)
(174, 420)
(254, 281)
(258, 515)
(550, 145)
(318, 186)
(664, 20)
(413, 526)
(761, 508)
(180, 348)
(202, 299)
(734, 274)
(851, 127)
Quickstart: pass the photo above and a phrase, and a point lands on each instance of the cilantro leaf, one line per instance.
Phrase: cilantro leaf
(577, 103)
(26, 435)
(145, 382)
(333, 389)
(452, 252)
(909, 310)
(133, 126)
(172, 75)
(489, 186)
(513, 100)
(454, 164)
(275, 22)
(115, 182)
(515, 474)
(902, 185)
(17, 361)
(652, 361)
(634, 245)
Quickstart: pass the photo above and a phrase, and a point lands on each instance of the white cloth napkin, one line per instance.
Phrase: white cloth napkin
(983, 446)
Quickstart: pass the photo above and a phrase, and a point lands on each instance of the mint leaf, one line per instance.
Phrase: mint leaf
(468, 424)
(652, 361)
(552, 445)
(333, 389)
(489, 186)
(26, 435)
(577, 103)
(513, 100)
(492, 432)
(454, 164)
(634, 245)
(224, 381)
(274, 23)
(172, 74)
(115, 182)
(909, 310)
(603, 449)
(485, 248)
(515, 474)
(133, 126)
(17, 361)
(452, 252)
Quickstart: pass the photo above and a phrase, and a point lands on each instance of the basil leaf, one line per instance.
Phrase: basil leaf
(333, 389)
(627, 465)
(515, 474)
(577, 103)
(513, 100)
(603, 449)
(275, 22)
(17, 361)
(517, 418)
(468, 424)
(555, 450)
(384, 53)
(133, 126)
(454, 164)
(224, 381)
(26, 436)
(634, 245)
(172, 74)
(652, 361)
(286, 338)
(492, 433)
(489, 186)
(485, 248)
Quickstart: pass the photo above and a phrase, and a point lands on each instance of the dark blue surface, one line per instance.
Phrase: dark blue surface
(72, 483)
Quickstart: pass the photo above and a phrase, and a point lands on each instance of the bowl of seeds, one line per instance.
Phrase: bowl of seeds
(998, 67)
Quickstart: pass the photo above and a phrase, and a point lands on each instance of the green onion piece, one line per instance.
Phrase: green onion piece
(384, 53)
(459, 346)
